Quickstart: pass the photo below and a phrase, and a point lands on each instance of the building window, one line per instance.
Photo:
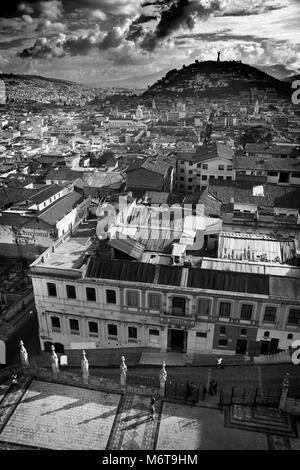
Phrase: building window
(93, 328)
(204, 166)
(154, 332)
(229, 168)
(51, 289)
(243, 332)
(71, 292)
(223, 342)
(270, 314)
(55, 323)
(190, 188)
(204, 307)
(290, 336)
(112, 331)
(154, 301)
(74, 327)
(178, 306)
(90, 294)
(201, 334)
(190, 180)
(111, 297)
(221, 167)
(204, 177)
(294, 317)
(132, 333)
(223, 330)
(224, 309)
(246, 312)
(132, 299)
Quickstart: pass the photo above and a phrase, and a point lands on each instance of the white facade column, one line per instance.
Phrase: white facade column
(23, 356)
(162, 380)
(123, 373)
(85, 368)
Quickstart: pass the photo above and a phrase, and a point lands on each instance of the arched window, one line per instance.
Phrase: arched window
(266, 334)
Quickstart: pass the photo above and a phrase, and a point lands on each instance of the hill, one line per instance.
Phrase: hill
(21, 89)
(216, 79)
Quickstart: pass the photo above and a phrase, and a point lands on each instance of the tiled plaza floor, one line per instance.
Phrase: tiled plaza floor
(186, 428)
(134, 428)
(55, 416)
(49, 415)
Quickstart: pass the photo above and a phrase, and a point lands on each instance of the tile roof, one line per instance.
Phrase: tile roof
(267, 163)
(156, 164)
(273, 149)
(213, 150)
(63, 174)
(45, 193)
(63, 206)
(10, 196)
(98, 179)
(242, 192)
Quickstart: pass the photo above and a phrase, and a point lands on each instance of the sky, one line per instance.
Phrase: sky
(100, 41)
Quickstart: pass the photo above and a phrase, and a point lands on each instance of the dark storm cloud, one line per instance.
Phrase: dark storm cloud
(177, 14)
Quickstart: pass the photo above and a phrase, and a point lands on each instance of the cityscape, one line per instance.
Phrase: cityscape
(149, 228)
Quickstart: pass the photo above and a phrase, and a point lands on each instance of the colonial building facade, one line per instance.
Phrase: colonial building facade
(112, 303)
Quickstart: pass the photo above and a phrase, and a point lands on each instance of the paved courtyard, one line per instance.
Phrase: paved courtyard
(57, 416)
(186, 428)
(38, 414)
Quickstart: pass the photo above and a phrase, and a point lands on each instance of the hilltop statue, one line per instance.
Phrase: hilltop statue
(218, 60)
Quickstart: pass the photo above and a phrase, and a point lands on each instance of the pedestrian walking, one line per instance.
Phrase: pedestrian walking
(14, 379)
(219, 364)
(204, 392)
(188, 391)
(194, 395)
(210, 389)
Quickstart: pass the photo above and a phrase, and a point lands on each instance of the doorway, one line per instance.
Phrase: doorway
(265, 347)
(241, 346)
(274, 345)
(176, 340)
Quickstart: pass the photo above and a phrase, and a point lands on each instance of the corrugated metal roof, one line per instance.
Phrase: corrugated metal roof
(169, 275)
(228, 281)
(288, 288)
(121, 270)
(128, 246)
